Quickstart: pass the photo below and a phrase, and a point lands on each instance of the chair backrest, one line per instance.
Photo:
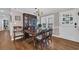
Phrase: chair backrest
(50, 31)
(5, 41)
(45, 33)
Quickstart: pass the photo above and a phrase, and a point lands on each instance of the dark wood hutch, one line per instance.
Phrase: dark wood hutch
(29, 22)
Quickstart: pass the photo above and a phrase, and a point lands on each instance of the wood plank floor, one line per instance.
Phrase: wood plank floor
(64, 44)
(5, 41)
(57, 44)
(21, 44)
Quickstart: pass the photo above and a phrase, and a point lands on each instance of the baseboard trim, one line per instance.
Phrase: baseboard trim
(64, 38)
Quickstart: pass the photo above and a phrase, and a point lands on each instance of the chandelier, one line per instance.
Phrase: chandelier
(38, 13)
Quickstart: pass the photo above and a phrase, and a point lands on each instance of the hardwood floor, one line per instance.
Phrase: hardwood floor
(21, 44)
(64, 44)
(57, 44)
(5, 41)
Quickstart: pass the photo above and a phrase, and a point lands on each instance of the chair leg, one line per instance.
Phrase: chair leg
(41, 44)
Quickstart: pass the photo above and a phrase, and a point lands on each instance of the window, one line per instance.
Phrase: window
(17, 18)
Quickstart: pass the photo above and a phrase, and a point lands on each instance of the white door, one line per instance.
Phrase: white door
(47, 21)
(44, 22)
(50, 21)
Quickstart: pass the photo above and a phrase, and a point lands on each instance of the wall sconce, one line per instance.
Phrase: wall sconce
(78, 13)
(75, 25)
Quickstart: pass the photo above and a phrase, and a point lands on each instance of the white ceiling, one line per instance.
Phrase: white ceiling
(45, 11)
(4, 11)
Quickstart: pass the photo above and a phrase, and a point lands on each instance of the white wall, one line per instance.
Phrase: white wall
(68, 31)
(14, 22)
(56, 24)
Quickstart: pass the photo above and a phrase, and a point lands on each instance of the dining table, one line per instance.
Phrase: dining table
(32, 34)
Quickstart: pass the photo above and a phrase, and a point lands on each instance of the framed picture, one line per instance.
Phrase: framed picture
(17, 18)
(67, 19)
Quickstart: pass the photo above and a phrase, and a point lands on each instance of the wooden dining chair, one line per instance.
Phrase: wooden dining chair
(50, 34)
(42, 39)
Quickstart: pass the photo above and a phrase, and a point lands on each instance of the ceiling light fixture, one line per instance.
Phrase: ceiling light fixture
(38, 14)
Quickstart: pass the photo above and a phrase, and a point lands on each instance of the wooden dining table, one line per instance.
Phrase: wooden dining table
(33, 35)
(45, 35)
